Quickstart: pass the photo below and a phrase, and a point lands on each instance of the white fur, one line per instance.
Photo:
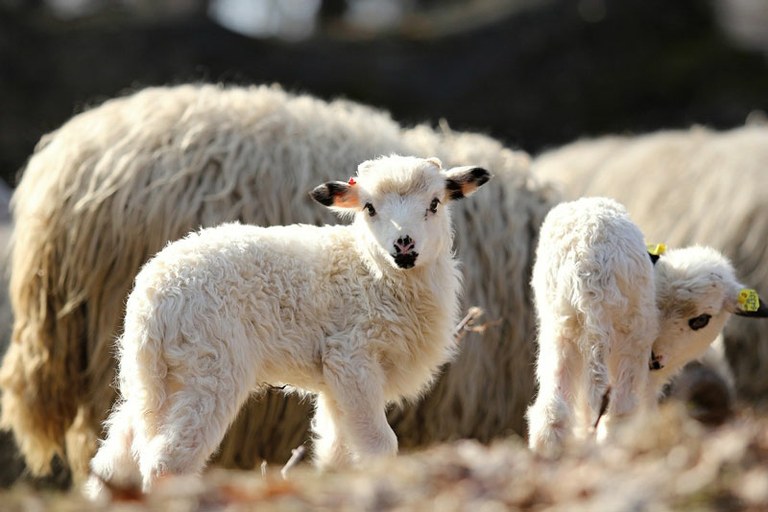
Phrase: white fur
(689, 282)
(325, 310)
(603, 309)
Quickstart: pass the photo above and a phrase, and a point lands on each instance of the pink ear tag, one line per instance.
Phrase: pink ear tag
(352, 181)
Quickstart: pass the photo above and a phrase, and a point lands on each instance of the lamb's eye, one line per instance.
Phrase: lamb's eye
(433, 205)
(699, 322)
(370, 209)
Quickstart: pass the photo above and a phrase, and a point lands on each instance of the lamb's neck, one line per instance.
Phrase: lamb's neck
(660, 378)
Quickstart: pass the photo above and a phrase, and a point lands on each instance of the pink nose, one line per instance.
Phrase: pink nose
(404, 245)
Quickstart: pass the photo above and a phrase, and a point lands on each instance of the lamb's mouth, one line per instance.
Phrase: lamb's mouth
(655, 362)
(407, 260)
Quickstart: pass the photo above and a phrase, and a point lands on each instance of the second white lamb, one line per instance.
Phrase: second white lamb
(611, 317)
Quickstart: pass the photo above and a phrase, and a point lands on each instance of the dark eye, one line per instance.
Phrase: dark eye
(699, 322)
(370, 209)
(433, 205)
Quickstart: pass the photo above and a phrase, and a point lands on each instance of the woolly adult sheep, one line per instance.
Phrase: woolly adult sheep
(5, 233)
(109, 188)
(608, 316)
(686, 187)
(360, 315)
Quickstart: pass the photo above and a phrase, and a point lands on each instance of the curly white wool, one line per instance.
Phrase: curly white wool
(361, 315)
(607, 314)
(685, 187)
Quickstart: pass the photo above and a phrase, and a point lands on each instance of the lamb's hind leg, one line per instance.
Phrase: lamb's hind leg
(629, 375)
(558, 369)
(596, 382)
(193, 422)
(114, 462)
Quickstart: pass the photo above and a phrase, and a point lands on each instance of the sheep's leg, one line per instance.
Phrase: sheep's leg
(356, 386)
(596, 379)
(629, 371)
(329, 446)
(194, 420)
(114, 461)
(550, 418)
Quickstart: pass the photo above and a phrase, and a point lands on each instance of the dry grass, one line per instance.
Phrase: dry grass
(669, 463)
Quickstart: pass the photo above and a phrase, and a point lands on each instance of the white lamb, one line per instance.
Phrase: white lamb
(613, 318)
(360, 315)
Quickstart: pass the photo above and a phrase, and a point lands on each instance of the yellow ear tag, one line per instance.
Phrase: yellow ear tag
(656, 249)
(749, 300)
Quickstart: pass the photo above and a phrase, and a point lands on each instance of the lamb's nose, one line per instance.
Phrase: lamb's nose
(404, 245)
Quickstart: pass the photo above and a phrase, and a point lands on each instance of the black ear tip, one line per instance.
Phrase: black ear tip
(761, 312)
(322, 194)
(480, 175)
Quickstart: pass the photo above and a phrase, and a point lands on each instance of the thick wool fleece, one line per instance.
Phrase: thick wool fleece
(112, 186)
(327, 310)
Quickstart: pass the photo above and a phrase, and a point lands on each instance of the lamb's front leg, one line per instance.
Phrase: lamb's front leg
(355, 385)
(632, 387)
(330, 450)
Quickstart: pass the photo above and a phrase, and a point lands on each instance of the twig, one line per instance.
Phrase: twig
(473, 314)
(263, 469)
(603, 406)
(469, 323)
(296, 455)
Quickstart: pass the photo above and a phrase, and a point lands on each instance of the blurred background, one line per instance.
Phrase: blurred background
(533, 73)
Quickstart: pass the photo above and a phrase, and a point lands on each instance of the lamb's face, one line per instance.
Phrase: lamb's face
(696, 293)
(400, 206)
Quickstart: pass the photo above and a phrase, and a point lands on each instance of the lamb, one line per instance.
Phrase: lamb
(612, 319)
(5, 233)
(728, 211)
(361, 315)
(113, 185)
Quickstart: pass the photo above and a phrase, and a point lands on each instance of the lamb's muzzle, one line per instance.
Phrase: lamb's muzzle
(405, 253)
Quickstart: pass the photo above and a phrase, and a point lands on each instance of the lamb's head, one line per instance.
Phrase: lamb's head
(696, 292)
(399, 204)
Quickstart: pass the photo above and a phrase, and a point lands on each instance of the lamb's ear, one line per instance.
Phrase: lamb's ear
(750, 304)
(336, 194)
(435, 161)
(462, 182)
